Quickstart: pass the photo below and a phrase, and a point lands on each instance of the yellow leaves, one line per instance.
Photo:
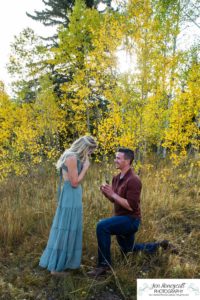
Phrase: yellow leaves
(138, 110)
(83, 93)
(154, 118)
(116, 130)
(29, 133)
(183, 128)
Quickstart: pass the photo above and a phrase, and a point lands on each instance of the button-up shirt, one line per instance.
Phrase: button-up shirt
(128, 187)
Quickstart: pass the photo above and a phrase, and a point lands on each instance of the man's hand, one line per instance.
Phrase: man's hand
(107, 190)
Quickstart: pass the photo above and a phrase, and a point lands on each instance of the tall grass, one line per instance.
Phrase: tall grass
(170, 210)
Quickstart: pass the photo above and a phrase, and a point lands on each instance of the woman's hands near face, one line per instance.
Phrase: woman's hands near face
(86, 164)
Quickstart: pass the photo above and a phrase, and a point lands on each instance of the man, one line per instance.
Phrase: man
(125, 195)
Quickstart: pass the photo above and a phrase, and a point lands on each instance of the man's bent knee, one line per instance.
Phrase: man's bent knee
(101, 226)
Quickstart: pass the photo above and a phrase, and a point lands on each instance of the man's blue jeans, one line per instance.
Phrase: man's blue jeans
(124, 227)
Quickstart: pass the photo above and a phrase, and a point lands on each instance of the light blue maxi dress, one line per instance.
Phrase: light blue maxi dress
(64, 246)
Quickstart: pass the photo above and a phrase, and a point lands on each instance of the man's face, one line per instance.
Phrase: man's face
(120, 162)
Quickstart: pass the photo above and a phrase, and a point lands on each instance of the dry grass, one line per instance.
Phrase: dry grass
(170, 208)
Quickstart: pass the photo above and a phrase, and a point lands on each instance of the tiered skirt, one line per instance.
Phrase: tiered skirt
(64, 246)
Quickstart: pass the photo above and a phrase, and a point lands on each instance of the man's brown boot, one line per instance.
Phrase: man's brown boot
(97, 272)
(166, 245)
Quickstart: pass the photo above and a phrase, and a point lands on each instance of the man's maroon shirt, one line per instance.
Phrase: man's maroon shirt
(128, 187)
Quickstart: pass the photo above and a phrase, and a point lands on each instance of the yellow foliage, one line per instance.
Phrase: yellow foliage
(29, 133)
(141, 110)
(184, 129)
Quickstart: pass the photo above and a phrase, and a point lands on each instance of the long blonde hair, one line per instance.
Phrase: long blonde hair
(79, 148)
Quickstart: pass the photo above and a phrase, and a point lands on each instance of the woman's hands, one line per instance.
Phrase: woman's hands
(86, 164)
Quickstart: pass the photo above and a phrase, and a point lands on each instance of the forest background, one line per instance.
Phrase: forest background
(68, 85)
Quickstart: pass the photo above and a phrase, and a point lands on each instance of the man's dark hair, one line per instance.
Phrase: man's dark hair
(128, 153)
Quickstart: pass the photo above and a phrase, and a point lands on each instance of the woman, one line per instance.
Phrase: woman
(64, 247)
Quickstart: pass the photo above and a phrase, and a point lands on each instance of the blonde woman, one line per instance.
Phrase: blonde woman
(64, 246)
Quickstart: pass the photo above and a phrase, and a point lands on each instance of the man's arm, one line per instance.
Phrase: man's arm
(113, 197)
(107, 196)
(133, 192)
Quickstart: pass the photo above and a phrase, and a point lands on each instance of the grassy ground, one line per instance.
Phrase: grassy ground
(170, 209)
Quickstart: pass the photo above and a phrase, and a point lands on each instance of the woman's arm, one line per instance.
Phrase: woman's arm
(74, 177)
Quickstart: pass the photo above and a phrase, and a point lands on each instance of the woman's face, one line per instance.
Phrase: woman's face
(91, 150)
